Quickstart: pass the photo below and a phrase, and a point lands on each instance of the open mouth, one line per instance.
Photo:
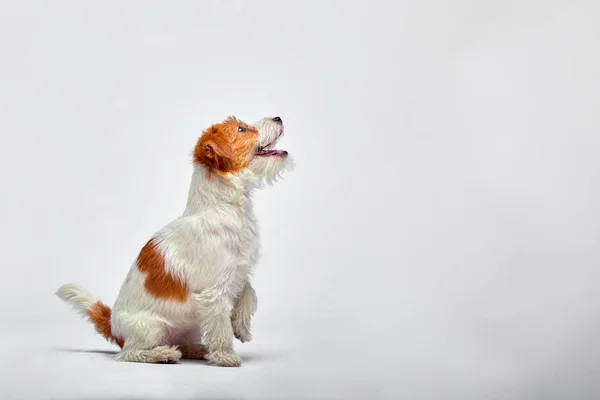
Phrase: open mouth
(267, 151)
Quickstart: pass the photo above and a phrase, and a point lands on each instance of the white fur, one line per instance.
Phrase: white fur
(78, 297)
(213, 248)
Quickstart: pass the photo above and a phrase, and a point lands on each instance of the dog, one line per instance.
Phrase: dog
(191, 280)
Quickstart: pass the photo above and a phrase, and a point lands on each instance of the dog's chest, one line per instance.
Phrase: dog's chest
(231, 232)
(246, 243)
(243, 246)
(217, 247)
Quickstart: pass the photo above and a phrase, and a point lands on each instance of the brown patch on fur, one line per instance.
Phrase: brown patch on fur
(159, 283)
(99, 314)
(223, 148)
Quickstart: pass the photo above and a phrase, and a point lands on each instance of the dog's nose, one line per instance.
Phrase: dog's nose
(277, 119)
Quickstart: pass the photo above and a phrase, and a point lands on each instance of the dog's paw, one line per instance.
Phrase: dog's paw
(224, 358)
(241, 329)
(166, 355)
(243, 336)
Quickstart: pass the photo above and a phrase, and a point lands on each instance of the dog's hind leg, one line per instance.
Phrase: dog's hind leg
(146, 340)
(157, 355)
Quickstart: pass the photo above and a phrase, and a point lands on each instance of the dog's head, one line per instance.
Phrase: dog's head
(233, 146)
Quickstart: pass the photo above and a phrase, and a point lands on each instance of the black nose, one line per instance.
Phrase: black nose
(277, 119)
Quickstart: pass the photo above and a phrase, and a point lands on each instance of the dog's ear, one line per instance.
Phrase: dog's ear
(213, 153)
(213, 149)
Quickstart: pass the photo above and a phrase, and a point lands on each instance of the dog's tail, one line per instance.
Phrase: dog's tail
(89, 306)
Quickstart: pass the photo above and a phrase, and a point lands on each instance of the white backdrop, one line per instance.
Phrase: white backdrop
(439, 238)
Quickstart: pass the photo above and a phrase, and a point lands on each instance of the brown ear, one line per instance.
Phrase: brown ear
(214, 149)
(212, 153)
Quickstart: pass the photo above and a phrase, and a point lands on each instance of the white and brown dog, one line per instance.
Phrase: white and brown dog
(191, 280)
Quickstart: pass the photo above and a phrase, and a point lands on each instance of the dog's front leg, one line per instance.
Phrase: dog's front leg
(244, 308)
(214, 317)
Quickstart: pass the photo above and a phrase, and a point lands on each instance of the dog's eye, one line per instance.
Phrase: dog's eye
(241, 129)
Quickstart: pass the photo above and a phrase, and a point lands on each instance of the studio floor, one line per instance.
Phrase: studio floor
(72, 362)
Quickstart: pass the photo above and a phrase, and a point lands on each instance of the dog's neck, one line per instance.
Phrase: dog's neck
(208, 190)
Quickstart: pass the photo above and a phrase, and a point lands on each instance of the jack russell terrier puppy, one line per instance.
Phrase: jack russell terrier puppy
(191, 279)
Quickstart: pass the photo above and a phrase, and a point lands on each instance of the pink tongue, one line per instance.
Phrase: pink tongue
(272, 153)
